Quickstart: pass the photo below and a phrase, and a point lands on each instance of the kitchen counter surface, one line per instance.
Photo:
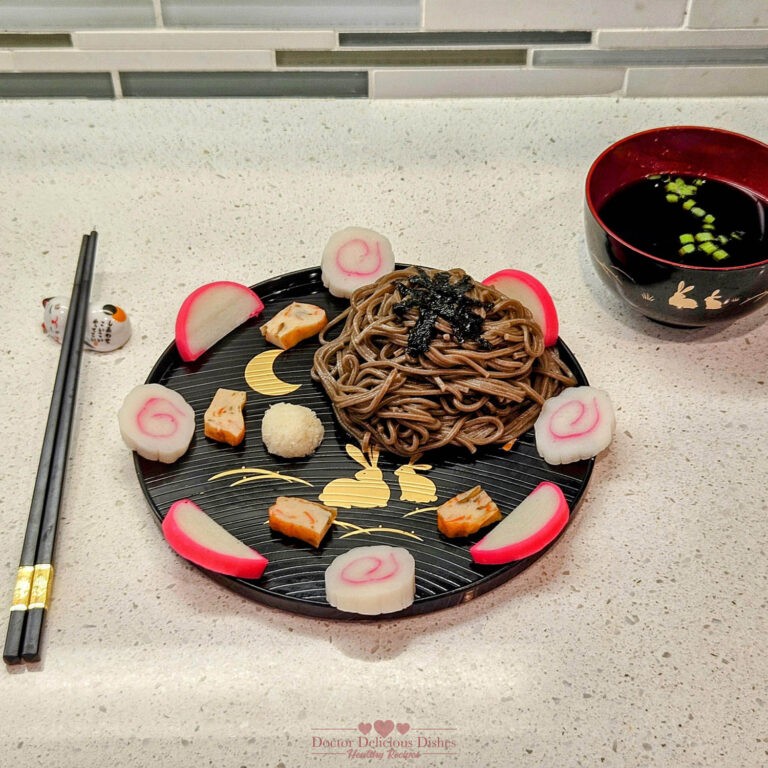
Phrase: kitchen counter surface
(638, 640)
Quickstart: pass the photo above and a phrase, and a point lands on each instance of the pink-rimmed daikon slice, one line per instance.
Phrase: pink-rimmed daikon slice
(527, 529)
(209, 313)
(371, 580)
(198, 538)
(156, 422)
(576, 424)
(529, 291)
(355, 257)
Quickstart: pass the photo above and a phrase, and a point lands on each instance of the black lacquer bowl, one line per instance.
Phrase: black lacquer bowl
(294, 579)
(668, 292)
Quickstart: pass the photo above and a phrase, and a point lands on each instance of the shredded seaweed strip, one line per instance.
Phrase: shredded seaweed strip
(485, 389)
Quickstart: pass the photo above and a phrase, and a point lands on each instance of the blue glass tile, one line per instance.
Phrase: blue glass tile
(53, 85)
(350, 84)
(656, 57)
(30, 40)
(456, 39)
(504, 57)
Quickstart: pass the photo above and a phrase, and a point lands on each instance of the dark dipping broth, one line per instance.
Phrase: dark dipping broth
(690, 220)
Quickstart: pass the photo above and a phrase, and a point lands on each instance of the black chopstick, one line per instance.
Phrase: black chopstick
(34, 578)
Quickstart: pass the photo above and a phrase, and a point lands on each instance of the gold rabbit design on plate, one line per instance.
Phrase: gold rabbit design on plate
(413, 487)
(366, 490)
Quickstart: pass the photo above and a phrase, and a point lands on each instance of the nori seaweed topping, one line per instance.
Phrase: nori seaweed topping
(436, 297)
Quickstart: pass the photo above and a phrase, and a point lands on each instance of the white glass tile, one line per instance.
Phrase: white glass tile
(50, 15)
(493, 82)
(711, 14)
(680, 38)
(45, 60)
(293, 14)
(698, 81)
(551, 14)
(202, 39)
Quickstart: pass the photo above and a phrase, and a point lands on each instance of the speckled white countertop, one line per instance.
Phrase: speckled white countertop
(639, 640)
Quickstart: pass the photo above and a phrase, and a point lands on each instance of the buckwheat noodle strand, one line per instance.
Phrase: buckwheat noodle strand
(458, 394)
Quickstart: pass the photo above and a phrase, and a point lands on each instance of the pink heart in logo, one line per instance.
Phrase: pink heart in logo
(383, 727)
(364, 728)
(403, 727)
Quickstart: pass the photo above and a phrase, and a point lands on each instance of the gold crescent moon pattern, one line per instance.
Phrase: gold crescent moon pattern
(260, 375)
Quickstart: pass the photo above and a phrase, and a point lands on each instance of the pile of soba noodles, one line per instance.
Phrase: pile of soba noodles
(426, 359)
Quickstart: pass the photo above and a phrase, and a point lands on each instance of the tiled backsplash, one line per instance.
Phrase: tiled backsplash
(382, 48)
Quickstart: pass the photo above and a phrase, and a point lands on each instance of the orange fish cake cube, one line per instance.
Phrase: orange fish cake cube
(466, 513)
(301, 519)
(223, 419)
(293, 324)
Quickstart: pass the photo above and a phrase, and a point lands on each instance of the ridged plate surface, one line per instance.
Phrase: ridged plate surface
(294, 578)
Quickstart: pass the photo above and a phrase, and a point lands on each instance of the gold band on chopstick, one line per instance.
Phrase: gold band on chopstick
(42, 584)
(22, 588)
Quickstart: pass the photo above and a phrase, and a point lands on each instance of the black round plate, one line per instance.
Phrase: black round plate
(294, 579)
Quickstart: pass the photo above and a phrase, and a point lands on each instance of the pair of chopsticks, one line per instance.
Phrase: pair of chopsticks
(34, 578)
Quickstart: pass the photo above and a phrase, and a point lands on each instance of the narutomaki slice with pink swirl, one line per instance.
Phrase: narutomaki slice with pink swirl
(574, 425)
(156, 422)
(371, 580)
(354, 257)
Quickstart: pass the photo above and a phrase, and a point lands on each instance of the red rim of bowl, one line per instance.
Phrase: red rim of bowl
(658, 259)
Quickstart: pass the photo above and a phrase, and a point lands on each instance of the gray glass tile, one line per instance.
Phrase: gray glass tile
(245, 84)
(401, 58)
(293, 14)
(455, 39)
(30, 40)
(69, 15)
(53, 85)
(650, 57)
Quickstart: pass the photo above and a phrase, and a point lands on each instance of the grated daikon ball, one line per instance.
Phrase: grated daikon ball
(291, 430)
